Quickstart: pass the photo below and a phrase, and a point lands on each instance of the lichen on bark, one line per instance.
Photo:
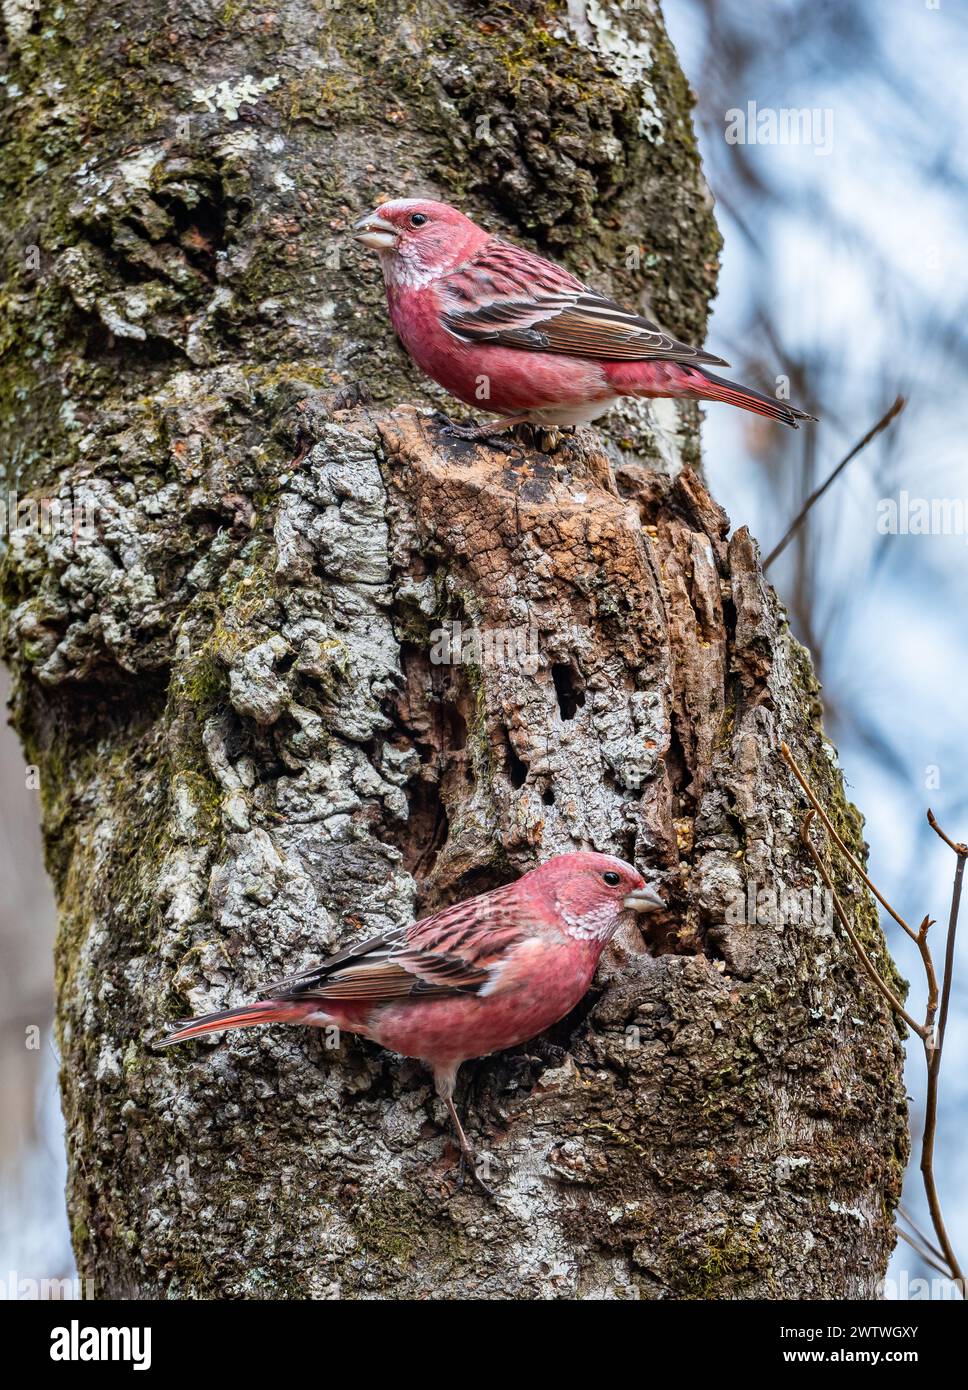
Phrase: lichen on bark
(248, 751)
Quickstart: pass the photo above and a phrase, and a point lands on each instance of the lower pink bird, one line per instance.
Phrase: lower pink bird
(506, 331)
(475, 978)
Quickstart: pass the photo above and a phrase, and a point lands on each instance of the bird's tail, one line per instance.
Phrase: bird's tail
(262, 1011)
(717, 388)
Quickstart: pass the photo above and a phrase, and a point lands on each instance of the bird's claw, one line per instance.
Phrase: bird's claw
(455, 431)
(545, 439)
(469, 1160)
(476, 434)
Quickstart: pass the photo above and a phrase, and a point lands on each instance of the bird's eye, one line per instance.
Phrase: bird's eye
(612, 878)
(417, 219)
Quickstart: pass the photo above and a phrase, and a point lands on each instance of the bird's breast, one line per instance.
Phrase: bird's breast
(540, 984)
(502, 380)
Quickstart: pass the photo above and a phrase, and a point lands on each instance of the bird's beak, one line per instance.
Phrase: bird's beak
(375, 231)
(643, 900)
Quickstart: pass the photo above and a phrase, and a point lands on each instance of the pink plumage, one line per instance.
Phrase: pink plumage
(474, 978)
(506, 331)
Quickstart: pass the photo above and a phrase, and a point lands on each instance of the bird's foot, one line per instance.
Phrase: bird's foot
(546, 439)
(479, 1166)
(492, 432)
(455, 431)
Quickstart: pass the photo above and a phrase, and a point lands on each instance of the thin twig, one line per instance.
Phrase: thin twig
(929, 1134)
(949, 946)
(928, 1259)
(855, 940)
(932, 1039)
(811, 797)
(952, 844)
(817, 493)
(922, 1236)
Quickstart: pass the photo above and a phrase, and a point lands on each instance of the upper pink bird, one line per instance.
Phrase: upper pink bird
(506, 331)
(474, 978)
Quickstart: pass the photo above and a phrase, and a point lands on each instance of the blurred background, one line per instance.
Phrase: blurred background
(34, 1239)
(842, 271)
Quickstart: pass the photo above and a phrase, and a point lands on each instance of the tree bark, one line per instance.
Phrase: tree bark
(232, 670)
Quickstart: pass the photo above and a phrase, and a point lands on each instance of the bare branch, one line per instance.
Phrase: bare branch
(932, 1040)
(832, 477)
(922, 1236)
(929, 1135)
(928, 1259)
(959, 849)
(811, 797)
(855, 940)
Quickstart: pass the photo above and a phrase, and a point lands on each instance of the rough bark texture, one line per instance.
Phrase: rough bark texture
(248, 751)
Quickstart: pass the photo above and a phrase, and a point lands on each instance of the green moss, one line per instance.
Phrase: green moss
(205, 682)
(391, 1224)
(728, 1261)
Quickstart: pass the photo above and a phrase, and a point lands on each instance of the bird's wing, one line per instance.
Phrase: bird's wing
(512, 298)
(460, 949)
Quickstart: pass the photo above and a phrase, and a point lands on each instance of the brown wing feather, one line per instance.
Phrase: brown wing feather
(454, 951)
(591, 327)
(512, 298)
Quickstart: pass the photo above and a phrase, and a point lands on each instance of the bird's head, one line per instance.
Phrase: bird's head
(417, 239)
(588, 893)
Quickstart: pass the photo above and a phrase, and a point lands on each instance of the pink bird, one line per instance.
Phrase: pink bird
(507, 331)
(474, 978)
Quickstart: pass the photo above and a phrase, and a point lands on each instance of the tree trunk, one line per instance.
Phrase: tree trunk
(293, 665)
